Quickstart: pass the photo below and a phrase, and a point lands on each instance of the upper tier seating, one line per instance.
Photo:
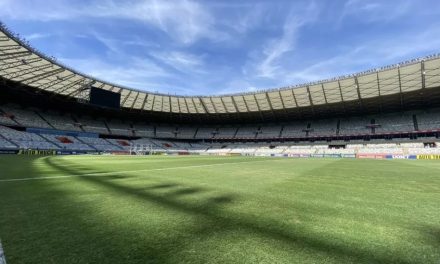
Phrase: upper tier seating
(412, 121)
(120, 128)
(247, 132)
(269, 132)
(94, 126)
(143, 130)
(61, 122)
(323, 128)
(7, 118)
(206, 132)
(186, 132)
(429, 120)
(165, 132)
(354, 126)
(26, 118)
(226, 132)
(394, 122)
(295, 130)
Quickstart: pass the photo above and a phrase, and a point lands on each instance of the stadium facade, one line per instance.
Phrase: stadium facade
(391, 111)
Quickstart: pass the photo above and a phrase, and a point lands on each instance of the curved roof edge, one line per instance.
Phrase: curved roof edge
(21, 63)
(23, 42)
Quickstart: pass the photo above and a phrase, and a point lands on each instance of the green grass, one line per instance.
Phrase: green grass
(117, 209)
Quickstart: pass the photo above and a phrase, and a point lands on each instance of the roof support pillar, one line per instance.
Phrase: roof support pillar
(235, 104)
(323, 92)
(195, 105)
(258, 107)
(24, 53)
(400, 88)
(311, 100)
(56, 81)
(283, 104)
(245, 103)
(342, 96)
(359, 93)
(7, 66)
(85, 86)
(270, 104)
(20, 73)
(42, 76)
(134, 101)
(213, 105)
(126, 97)
(16, 55)
(378, 90)
(67, 87)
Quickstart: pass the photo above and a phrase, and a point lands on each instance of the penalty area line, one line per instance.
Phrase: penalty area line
(103, 174)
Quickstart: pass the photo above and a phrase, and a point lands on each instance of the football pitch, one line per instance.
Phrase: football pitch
(158, 209)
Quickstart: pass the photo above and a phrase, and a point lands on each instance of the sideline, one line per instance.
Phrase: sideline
(103, 174)
(2, 254)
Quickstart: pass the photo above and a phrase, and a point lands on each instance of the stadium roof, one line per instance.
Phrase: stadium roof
(22, 64)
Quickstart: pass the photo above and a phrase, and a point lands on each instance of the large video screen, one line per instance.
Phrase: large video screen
(105, 98)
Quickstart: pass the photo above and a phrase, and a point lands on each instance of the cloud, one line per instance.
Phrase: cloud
(36, 36)
(185, 21)
(214, 47)
(371, 54)
(238, 85)
(375, 10)
(248, 17)
(181, 61)
(275, 49)
(139, 74)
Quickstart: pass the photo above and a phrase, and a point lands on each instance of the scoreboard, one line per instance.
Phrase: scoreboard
(105, 98)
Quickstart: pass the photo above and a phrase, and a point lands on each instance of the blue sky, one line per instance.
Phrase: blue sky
(216, 47)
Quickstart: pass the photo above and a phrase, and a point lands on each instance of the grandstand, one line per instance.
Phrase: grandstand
(93, 135)
(395, 103)
(397, 85)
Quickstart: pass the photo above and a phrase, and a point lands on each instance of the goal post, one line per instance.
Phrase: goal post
(141, 149)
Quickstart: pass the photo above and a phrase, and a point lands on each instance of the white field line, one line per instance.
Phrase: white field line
(103, 174)
(2, 255)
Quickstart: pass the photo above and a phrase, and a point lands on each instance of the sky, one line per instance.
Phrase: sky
(214, 47)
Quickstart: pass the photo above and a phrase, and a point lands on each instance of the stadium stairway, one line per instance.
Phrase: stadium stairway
(120, 146)
(44, 119)
(338, 126)
(416, 125)
(9, 141)
(11, 118)
(108, 128)
(195, 134)
(236, 132)
(58, 144)
(77, 122)
(281, 132)
(85, 143)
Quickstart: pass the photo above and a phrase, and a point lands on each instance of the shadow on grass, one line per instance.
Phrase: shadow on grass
(218, 220)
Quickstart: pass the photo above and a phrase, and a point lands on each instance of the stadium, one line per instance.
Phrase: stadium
(343, 170)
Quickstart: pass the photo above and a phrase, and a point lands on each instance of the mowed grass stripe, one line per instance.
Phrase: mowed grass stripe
(281, 211)
(103, 174)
